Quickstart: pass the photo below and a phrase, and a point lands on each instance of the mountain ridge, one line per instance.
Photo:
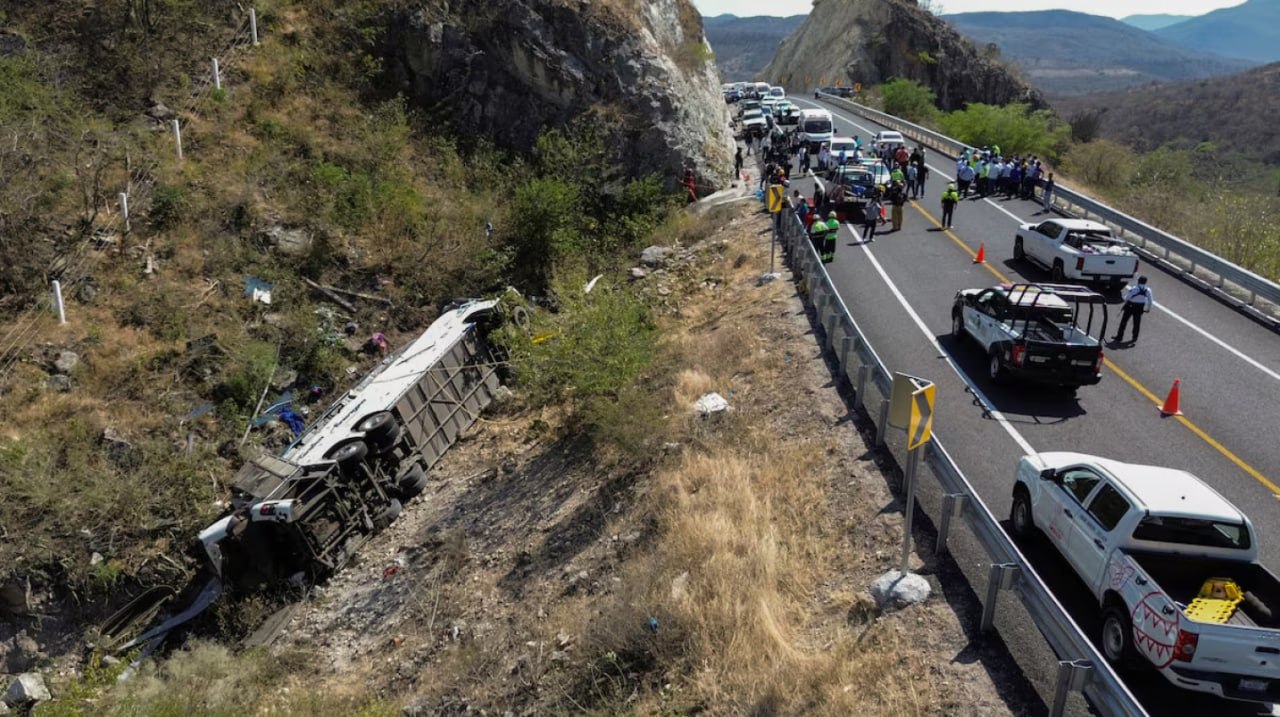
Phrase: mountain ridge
(744, 45)
(1089, 53)
(1250, 30)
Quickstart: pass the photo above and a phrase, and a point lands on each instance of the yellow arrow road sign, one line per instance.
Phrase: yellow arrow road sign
(920, 425)
(775, 198)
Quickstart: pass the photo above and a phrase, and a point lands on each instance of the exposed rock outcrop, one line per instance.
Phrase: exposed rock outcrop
(508, 70)
(870, 41)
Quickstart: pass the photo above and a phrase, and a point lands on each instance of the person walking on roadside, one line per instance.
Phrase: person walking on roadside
(897, 200)
(922, 173)
(819, 198)
(1049, 186)
(949, 199)
(1137, 301)
(870, 218)
(913, 173)
(737, 163)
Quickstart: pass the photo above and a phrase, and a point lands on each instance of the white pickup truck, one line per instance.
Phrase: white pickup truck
(1172, 564)
(1076, 249)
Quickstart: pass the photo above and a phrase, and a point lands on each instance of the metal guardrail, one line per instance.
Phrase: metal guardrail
(1229, 282)
(1081, 667)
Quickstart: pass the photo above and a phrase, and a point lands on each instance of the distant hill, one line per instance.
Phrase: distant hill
(1251, 31)
(1154, 22)
(1065, 53)
(744, 45)
(1235, 113)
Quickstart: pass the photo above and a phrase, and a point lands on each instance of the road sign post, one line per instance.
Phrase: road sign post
(775, 208)
(911, 408)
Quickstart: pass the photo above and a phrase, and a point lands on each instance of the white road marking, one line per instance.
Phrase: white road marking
(987, 405)
(1159, 307)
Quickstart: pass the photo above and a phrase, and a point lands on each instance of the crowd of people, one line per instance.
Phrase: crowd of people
(986, 172)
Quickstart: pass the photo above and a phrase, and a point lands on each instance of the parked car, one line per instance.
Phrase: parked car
(1173, 566)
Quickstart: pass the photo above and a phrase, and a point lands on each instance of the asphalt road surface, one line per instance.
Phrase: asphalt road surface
(901, 289)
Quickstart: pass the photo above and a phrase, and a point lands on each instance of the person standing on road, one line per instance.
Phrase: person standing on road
(737, 163)
(800, 207)
(1137, 301)
(964, 177)
(870, 218)
(897, 199)
(819, 197)
(913, 174)
(1049, 186)
(949, 198)
(922, 173)
(828, 251)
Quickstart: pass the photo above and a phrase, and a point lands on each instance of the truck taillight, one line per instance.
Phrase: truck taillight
(1079, 263)
(1097, 363)
(1018, 353)
(1185, 649)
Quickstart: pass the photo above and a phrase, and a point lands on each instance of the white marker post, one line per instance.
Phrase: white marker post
(124, 211)
(217, 75)
(57, 302)
(177, 137)
(253, 25)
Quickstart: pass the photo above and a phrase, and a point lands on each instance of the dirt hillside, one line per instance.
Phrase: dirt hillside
(537, 578)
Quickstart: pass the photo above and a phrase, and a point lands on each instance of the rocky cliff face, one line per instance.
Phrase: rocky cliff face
(507, 70)
(870, 41)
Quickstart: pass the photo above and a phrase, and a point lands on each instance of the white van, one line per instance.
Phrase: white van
(891, 138)
(761, 89)
(777, 92)
(815, 126)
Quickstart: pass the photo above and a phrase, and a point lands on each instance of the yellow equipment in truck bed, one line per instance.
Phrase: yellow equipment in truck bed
(1217, 601)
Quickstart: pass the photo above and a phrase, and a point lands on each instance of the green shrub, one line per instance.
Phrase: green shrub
(1102, 163)
(1015, 128)
(909, 100)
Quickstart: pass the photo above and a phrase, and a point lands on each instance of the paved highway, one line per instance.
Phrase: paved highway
(901, 288)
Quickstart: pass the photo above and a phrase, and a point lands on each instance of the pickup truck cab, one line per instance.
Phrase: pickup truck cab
(1033, 331)
(1172, 564)
(753, 123)
(1077, 250)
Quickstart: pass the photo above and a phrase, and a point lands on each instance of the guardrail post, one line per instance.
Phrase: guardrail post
(830, 328)
(883, 423)
(863, 372)
(908, 505)
(1000, 578)
(1072, 677)
(952, 507)
(846, 348)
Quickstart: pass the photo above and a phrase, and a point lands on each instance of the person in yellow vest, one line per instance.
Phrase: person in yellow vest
(949, 199)
(828, 253)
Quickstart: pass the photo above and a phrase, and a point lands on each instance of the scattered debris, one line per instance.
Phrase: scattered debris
(28, 688)
(330, 295)
(591, 284)
(680, 586)
(290, 242)
(96, 559)
(60, 383)
(257, 289)
(895, 590)
(711, 403)
(19, 653)
(638, 273)
(768, 278)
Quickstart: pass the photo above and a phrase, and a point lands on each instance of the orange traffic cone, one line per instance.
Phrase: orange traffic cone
(1170, 407)
(982, 253)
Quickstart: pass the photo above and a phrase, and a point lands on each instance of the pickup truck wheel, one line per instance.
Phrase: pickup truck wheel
(957, 325)
(1020, 516)
(996, 369)
(1117, 637)
(349, 454)
(1018, 252)
(1058, 273)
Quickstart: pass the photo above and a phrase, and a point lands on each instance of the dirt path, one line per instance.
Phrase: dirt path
(493, 591)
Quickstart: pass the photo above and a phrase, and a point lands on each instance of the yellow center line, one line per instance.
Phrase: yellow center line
(1250, 470)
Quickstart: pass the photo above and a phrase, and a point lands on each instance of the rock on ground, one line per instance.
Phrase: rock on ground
(27, 688)
(894, 590)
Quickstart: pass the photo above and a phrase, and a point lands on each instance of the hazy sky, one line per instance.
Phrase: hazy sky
(1112, 8)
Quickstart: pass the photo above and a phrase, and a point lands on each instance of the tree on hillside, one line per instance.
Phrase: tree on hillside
(909, 100)
(1014, 128)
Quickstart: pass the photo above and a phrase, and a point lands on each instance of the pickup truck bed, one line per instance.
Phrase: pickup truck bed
(1181, 577)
